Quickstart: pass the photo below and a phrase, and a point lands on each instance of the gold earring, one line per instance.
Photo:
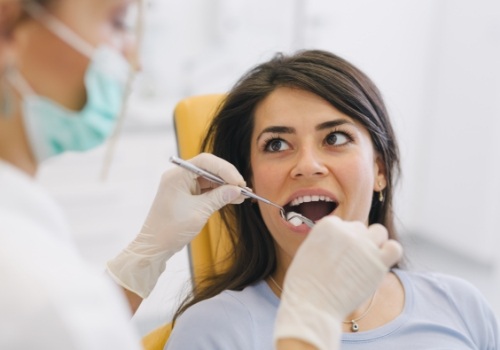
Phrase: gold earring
(381, 193)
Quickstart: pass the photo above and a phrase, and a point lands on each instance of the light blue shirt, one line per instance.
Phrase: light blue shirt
(440, 312)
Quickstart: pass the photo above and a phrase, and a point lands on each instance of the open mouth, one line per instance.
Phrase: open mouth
(314, 207)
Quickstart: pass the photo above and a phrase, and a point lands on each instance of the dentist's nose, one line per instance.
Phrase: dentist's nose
(308, 164)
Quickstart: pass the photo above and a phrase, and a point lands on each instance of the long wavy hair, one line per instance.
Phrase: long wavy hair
(345, 87)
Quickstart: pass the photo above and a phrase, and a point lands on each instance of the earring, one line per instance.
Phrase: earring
(381, 196)
(381, 193)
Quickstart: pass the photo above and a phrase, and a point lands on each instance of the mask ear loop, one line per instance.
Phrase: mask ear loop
(58, 28)
(7, 99)
(15, 83)
(110, 150)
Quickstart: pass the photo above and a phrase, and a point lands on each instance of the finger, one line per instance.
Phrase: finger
(377, 234)
(206, 185)
(219, 167)
(221, 196)
(391, 252)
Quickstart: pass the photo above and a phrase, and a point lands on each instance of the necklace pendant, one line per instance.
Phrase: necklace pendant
(354, 326)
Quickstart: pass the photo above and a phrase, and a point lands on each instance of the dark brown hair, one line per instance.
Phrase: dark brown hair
(341, 84)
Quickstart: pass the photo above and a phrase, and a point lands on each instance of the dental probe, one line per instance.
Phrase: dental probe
(246, 192)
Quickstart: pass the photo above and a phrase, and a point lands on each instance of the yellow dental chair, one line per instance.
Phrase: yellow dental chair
(208, 250)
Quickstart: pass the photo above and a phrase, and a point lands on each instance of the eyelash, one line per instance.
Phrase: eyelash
(121, 25)
(347, 134)
(120, 20)
(344, 133)
(268, 141)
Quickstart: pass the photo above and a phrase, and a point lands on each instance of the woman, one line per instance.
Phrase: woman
(311, 133)
(63, 69)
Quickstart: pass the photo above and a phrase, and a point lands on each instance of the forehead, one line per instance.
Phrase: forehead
(87, 6)
(285, 106)
(92, 3)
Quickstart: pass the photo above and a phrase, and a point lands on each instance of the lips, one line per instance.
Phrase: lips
(314, 206)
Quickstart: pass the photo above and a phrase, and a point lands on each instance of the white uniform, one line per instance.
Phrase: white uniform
(49, 297)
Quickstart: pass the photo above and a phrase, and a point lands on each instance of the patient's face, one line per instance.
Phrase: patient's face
(310, 158)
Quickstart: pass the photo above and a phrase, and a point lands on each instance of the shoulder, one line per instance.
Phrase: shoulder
(457, 298)
(451, 287)
(230, 320)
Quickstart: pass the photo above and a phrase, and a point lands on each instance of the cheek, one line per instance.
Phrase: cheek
(357, 181)
(266, 183)
(262, 173)
(360, 168)
(268, 180)
(261, 180)
(359, 173)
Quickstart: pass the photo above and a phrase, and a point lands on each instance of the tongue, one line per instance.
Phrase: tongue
(314, 210)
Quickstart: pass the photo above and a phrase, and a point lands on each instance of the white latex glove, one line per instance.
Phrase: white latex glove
(338, 266)
(181, 208)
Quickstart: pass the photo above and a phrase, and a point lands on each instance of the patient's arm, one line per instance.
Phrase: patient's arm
(133, 299)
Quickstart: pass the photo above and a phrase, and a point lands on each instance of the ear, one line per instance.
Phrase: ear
(380, 180)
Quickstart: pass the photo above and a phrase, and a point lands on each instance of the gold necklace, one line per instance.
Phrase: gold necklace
(354, 322)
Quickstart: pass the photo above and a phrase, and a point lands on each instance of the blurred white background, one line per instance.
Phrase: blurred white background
(435, 61)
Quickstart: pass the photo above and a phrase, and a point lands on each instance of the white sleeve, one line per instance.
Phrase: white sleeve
(50, 299)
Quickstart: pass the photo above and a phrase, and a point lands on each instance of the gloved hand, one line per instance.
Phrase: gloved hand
(338, 266)
(182, 206)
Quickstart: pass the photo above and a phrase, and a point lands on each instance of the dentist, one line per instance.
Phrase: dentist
(64, 71)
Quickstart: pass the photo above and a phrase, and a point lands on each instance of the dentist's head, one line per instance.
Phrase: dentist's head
(64, 66)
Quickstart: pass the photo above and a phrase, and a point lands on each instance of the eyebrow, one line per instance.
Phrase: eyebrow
(289, 130)
(332, 124)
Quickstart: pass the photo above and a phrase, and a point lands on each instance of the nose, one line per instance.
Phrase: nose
(308, 164)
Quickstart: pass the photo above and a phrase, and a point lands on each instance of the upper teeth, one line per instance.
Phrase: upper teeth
(305, 199)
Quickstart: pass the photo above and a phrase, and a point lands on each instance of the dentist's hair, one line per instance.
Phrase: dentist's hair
(328, 76)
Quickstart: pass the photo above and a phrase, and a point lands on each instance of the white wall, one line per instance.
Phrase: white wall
(436, 63)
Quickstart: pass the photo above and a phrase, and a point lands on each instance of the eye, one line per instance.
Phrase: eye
(337, 138)
(124, 18)
(276, 145)
(120, 25)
